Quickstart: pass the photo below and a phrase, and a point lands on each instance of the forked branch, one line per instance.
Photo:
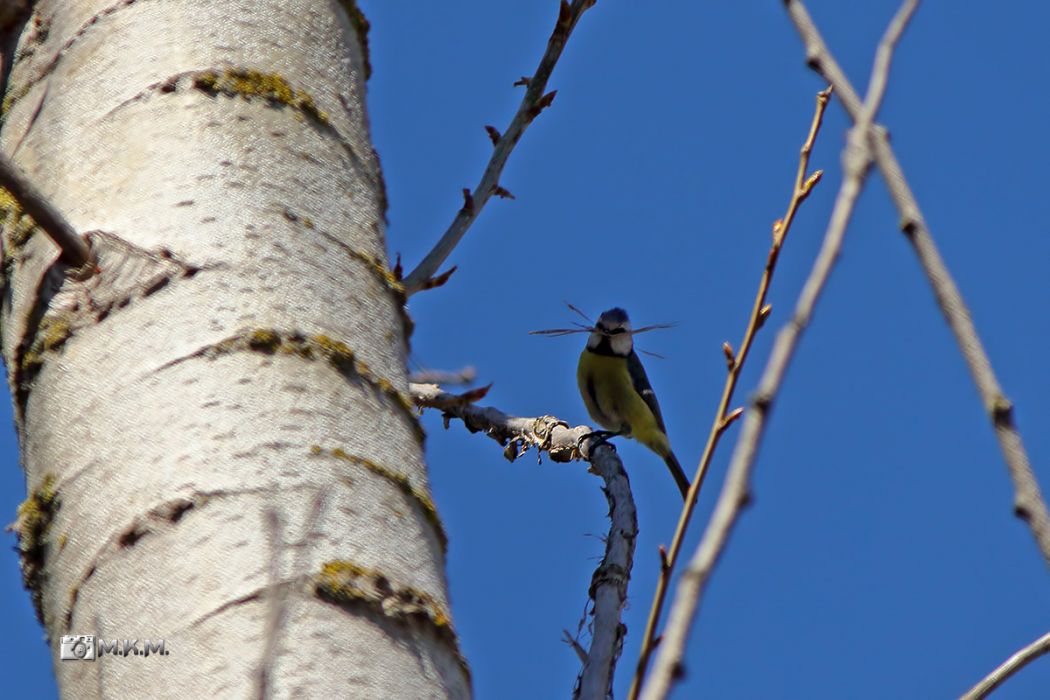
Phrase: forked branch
(736, 490)
(608, 588)
(1028, 500)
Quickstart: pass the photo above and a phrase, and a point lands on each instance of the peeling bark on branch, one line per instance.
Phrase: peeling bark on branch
(608, 589)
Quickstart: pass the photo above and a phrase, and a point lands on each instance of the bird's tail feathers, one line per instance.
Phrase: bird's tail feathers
(676, 471)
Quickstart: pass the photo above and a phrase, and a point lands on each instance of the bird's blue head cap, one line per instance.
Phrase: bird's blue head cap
(614, 319)
(613, 331)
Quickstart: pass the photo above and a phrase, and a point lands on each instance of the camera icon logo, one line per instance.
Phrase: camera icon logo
(77, 647)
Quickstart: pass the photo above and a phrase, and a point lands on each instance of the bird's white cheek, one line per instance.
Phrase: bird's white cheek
(621, 344)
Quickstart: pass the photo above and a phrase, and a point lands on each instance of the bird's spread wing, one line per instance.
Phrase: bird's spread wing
(643, 387)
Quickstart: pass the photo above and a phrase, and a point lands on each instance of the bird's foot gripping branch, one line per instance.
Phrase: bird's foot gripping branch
(608, 589)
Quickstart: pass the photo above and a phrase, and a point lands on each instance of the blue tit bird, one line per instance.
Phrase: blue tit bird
(617, 392)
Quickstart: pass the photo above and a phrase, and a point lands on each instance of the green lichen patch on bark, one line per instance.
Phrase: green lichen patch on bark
(252, 84)
(54, 331)
(321, 347)
(17, 226)
(33, 526)
(353, 587)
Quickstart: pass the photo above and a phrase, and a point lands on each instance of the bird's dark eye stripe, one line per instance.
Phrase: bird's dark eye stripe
(615, 331)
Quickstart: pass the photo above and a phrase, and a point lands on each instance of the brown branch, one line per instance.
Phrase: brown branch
(608, 588)
(1028, 500)
(75, 251)
(734, 362)
(534, 101)
(736, 490)
(1008, 668)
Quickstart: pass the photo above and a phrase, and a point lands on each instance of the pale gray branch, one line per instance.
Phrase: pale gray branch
(1028, 500)
(517, 435)
(1008, 668)
(438, 376)
(534, 101)
(735, 492)
(608, 588)
(75, 251)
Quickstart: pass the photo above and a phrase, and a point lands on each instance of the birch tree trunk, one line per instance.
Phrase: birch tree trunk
(235, 358)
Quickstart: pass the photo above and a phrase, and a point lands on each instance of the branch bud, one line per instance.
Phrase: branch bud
(763, 314)
(542, 104)
(727, 350)
(733, 415)
(778, 231)
(811, 181)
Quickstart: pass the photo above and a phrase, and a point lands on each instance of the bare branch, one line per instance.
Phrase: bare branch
(517, 435)
(1028, 500)
(75, 251)
(734, 363)
(1008, 668)
(437, 376)
(736, 490)
(534, 101)
(608, 589)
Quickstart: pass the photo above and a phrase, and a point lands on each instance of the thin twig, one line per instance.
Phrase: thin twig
(736, 490)
(75, 251)
(1028, 500)
(581, 653)
(1008, 668)
(804, 184)
(608, 588)
(534, 102)
(437, 376)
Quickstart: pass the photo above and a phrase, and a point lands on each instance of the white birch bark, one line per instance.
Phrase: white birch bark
(240, 350)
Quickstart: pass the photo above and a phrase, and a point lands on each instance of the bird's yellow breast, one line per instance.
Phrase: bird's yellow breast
(609, 394)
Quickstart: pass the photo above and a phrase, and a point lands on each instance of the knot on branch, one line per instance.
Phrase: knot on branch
(609, 573)
(1002, 410)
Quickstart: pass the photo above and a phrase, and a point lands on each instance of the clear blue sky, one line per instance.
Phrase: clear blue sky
(881, 558)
